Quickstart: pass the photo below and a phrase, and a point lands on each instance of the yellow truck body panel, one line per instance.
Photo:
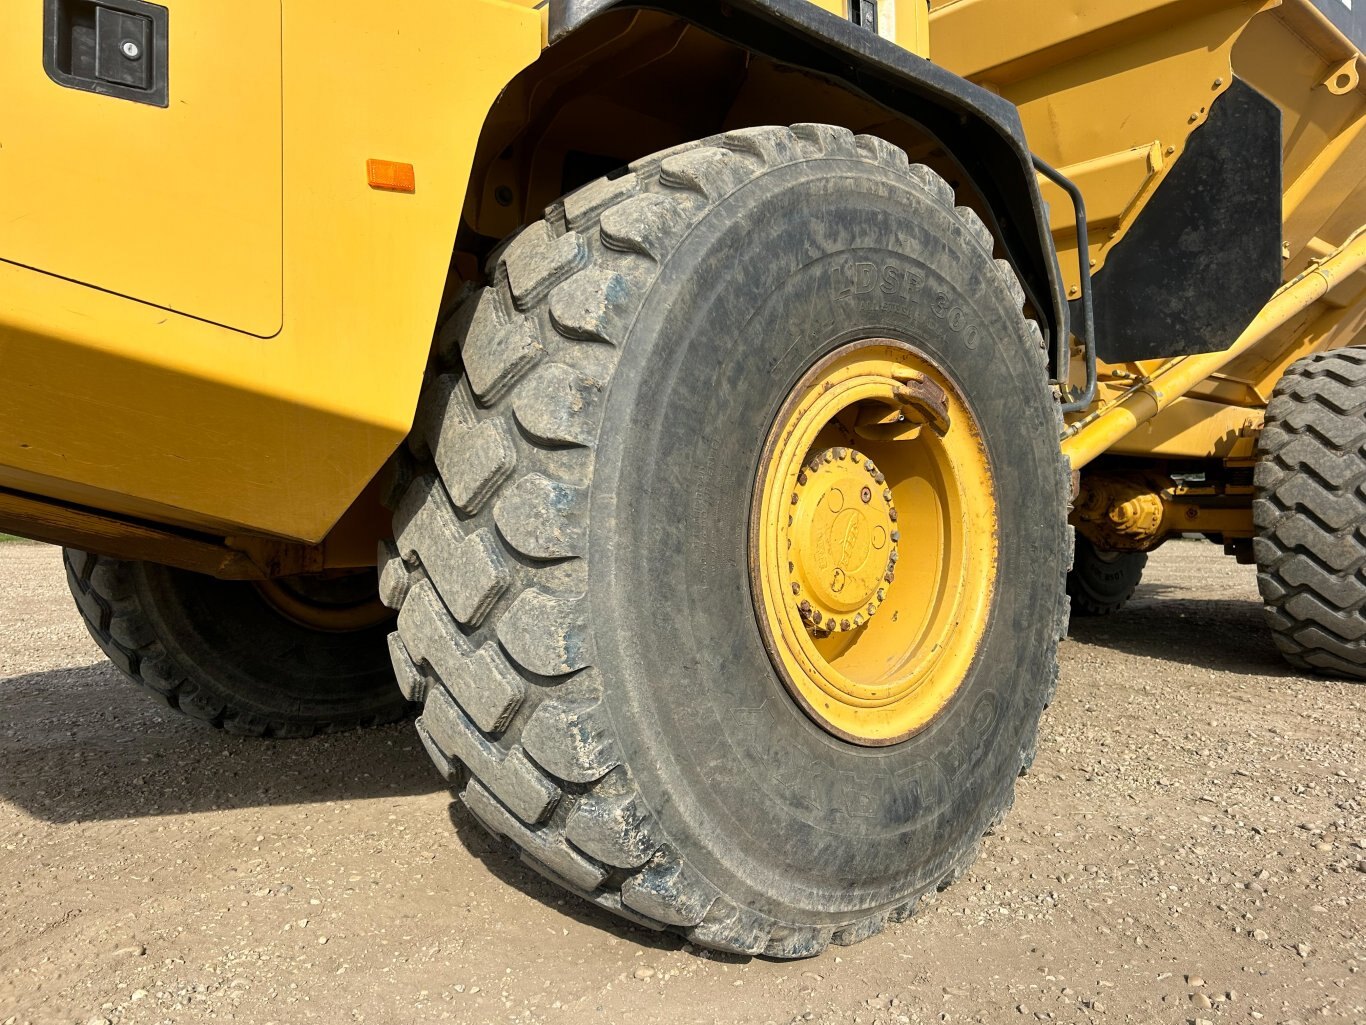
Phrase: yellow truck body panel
(251, 322)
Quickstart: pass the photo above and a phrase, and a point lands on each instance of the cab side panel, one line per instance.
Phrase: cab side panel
(146, 405)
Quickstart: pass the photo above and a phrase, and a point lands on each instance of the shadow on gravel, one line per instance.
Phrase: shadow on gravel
(82, 744)
(1212, 633)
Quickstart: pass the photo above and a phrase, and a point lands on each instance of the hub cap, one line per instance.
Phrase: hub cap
(844, 541)
(873, 542)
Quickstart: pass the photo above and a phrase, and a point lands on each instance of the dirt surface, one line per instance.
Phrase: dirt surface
(1191, 846)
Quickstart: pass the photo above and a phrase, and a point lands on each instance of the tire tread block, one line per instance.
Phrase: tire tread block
(545, 844)
(467, 569)
(486, 686)
(510, 775)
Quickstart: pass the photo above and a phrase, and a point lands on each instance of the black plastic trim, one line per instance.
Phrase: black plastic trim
(978, 129)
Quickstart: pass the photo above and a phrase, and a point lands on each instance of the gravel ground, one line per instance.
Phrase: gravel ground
(1190, 847)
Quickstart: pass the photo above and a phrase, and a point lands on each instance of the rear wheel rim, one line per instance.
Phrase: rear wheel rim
(337, 602)
(873, 541)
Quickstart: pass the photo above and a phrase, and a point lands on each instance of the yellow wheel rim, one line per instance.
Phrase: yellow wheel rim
(337, 602)
(873, 541)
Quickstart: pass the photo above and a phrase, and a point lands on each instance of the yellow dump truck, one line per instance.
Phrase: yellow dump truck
(686, 406)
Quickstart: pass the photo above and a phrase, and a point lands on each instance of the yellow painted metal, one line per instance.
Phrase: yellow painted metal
(817, 547)
(1192, 424)
(843, 538)
(1109, 93)
(1105, 427)
(335, 602)
(95, 189)
(219, 346)
(1137, 512)
(139, 410)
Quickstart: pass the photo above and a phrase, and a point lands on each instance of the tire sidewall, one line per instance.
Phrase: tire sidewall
(776, 812)
(238, 650)
(1106, 583)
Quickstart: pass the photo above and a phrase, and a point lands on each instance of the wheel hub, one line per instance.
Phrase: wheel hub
(842, 539)
(873, 541)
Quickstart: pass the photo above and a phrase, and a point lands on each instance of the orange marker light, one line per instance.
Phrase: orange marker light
(390, 175)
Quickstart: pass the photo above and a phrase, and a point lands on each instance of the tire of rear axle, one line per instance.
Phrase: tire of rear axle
(1100, 583)
(217, 651)
(570, 558)
(1310, 513)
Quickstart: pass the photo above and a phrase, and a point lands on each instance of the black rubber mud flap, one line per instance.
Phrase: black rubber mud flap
(1204, 255)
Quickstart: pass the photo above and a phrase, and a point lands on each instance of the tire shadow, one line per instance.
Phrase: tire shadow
(1226, 635)
(82, 744)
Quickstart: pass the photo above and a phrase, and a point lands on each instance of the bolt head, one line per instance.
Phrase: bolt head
(130, 49)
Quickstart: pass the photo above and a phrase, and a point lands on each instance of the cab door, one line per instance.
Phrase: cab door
(140, 151)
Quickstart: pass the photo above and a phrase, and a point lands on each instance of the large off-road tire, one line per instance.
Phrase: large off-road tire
(221, 652)
(576, 606)
(1310, 513)
(1099, 582)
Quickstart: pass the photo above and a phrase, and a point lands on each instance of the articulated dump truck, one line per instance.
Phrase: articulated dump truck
(703, 415)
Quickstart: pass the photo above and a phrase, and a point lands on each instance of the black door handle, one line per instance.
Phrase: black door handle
(112, 47)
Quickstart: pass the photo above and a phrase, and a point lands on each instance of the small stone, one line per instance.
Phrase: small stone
(322, 940)
(139, 994)
(644, 972)
(1302, 949)
(1194, 980)
(98, 1020)
(1022, 1008)
(1201, 1001)
(1260, 935)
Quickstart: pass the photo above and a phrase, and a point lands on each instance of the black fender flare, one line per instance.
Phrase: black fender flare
(980, 131)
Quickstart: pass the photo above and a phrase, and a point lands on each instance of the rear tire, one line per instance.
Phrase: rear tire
(218, 651)
(1310, 513)
(1100, 582)
(576, 609)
